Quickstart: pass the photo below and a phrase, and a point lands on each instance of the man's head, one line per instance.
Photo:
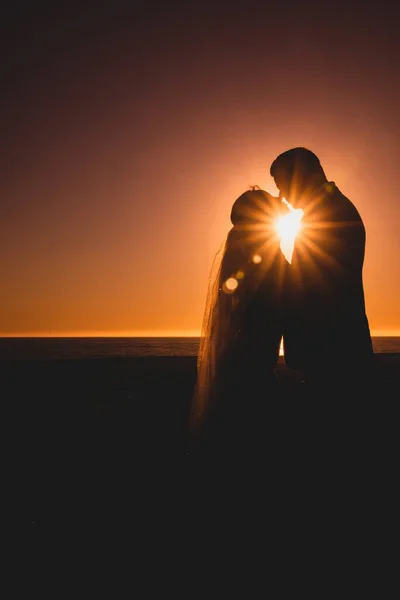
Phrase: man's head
(297, 173)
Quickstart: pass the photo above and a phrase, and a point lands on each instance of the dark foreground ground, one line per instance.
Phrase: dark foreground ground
(95, 439)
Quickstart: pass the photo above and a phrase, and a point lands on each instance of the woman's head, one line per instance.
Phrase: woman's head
(253, 207)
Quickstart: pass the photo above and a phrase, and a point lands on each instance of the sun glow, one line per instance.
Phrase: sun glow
(288, 228)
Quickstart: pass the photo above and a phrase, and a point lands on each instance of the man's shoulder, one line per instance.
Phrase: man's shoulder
(341, 202)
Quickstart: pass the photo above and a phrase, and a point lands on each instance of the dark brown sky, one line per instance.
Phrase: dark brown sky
(127, 133)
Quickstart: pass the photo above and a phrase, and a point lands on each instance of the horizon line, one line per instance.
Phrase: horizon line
(192, 333)
(109, 334)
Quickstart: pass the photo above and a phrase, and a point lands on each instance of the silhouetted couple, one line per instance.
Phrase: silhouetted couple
(256, 298)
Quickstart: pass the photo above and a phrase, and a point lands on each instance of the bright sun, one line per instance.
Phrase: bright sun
(288, 227)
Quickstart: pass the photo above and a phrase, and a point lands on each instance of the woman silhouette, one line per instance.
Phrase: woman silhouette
(242, 328)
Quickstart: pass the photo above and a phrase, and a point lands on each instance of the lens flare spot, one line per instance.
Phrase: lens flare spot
(230, 285)
(256, 259)
(240, 275)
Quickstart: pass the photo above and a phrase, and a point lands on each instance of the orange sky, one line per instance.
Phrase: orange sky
(124, 148)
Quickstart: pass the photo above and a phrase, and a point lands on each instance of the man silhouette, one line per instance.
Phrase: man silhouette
(327, 334)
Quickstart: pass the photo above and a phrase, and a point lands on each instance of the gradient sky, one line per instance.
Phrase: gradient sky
(126, 135)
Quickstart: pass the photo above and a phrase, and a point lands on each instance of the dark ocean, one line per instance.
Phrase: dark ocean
(96, 347)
